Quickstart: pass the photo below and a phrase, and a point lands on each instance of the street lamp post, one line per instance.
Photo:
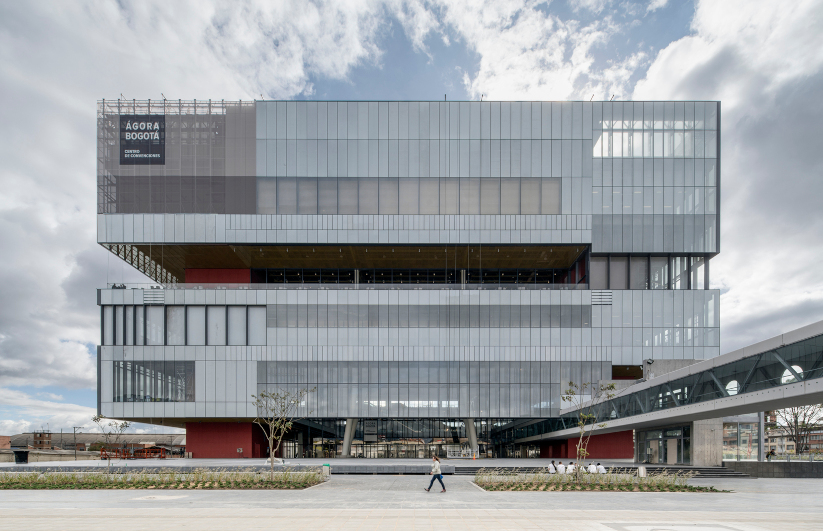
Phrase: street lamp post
(75, 440)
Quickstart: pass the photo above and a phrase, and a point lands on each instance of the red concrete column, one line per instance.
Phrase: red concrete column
(619, 445)
(222, 439)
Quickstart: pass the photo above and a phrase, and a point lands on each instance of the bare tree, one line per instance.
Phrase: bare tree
(276, 413)
(112, 429)
(585, 398)
(797, 424)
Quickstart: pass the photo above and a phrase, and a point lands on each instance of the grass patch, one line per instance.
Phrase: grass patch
(507, 480)
(201, 479)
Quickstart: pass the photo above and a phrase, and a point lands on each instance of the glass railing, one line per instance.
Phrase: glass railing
(317, 286)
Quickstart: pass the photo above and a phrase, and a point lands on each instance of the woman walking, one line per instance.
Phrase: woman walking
(435, 473)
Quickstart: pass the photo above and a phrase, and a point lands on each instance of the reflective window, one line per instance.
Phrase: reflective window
(153, 381)
(619, 272)
(659, 272)
(155, 325)
(639, 274)
(175, 325)
(408, 195)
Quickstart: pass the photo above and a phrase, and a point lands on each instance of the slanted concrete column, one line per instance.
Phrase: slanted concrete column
(348, 435)
(471, 433)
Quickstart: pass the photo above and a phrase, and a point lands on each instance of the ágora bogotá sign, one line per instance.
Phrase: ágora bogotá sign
(142, 139)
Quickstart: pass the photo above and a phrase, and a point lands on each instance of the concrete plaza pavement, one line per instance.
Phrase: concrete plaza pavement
(399, 502)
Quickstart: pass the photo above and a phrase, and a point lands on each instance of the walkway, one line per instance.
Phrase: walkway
(784, 371)
(399, 502)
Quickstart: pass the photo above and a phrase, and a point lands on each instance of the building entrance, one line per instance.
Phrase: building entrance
(669, 446)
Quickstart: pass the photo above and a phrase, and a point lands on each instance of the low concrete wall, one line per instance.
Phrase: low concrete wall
(762, 469)
(41, 456)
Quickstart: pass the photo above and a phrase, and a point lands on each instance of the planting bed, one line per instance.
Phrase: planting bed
(199, 479)
(515, 480)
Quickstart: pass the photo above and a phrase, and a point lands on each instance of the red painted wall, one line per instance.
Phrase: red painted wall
(222, 439)
(618, 445)
(218, 276)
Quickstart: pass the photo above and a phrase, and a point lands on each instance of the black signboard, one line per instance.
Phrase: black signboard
(142, 139)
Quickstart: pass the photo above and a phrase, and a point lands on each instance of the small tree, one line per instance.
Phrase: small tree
(797, 424)
(276, 413)
(112, 429)
(585, 398)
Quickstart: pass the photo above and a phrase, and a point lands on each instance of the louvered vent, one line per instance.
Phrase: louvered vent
(601, 297)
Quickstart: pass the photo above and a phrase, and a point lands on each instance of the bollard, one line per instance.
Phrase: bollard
(641, 471)
(326, 470)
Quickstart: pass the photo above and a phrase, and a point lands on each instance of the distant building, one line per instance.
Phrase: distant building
(41, 440)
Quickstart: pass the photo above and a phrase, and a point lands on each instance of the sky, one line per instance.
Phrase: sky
(764, 62)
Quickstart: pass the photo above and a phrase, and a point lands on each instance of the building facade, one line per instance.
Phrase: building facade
(436, 271)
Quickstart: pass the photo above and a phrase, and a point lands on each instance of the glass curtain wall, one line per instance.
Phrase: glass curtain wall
(741, 441)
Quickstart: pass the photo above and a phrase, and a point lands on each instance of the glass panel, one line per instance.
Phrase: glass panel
(618, 272)
(490, 196)
(347, 200)
(388, 196)
(550, 192)
(257, 324)
(530, 196)
(118, 325)
(266, 196)
(599, 272)
(139, 325)
(307, 196)
(659, 273)
(510, 196)
(410, 192)
(155, 325)
(196, 325)
(367, 194)
(286, 195)
(175, 325)
(429, 196)
(216, 325)
(237, 325)
(698, 272)
(639, 275)
(469, 196)
(108, 325)
(449, 196)
(327, 196)
(680, 272)
(730, 441)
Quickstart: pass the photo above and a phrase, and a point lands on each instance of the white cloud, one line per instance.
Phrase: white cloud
(50, 411)
(40, 414)
(527, 53)
(654, 5)
(765, 63)
(56, 60)
(595, 6)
